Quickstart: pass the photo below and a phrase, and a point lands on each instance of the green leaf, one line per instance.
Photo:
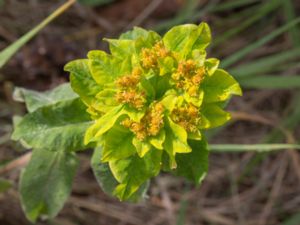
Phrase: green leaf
(105, 68)
(199, 56)
(211, 65)
(106, 179)
(54, 127)
(138, 33)
(158, 140)
(146, 42)
(196, 101)
(195, 136)
(135, 33)
(121, 48)
(81, 80)
(166, 65)
(185, 38)
(204, 38)
(105, 100)
(133, 171)
(219, 87)
(46, 182)
(181, 38)
(133, 114)
(142, 147)
(4, 185)
(141, 37)
(16, 120)
(149, 89)
(108, 120)
(213, 116)
(170, 100)
(179, 138)
(102, 172)
(193, 165)
(175, 141)
(117, 144)
(35, 99)
(103, 124)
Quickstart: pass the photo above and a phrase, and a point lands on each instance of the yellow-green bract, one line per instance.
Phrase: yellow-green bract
(150, 100)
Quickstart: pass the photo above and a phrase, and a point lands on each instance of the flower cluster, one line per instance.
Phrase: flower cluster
(128, 92)
(150, 56)
(188, 77)
(150, 124)
(151, 99)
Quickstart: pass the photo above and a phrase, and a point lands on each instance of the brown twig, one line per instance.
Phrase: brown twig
(17, 163)
(274, 191)
(144, 14)
(166, 201)
(102, 208)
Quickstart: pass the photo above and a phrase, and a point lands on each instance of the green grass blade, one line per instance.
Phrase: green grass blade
(293, 220)
(271, 82)
(9, 51)
(249, 148)
(94, 2)
(187, 14)
(293, 119)
(221, 7)
(290, 15)
(245, 51)
(265, 64)
(233, 4)
(260, 13)
(183, 207)
(290, 122)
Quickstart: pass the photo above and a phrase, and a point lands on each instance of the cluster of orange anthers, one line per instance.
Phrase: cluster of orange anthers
(150, 124)
(128, 90)
(187, 117)
(150, 56)
(188, 77)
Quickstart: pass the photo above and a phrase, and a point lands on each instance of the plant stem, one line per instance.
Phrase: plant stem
(246, 148)
(9, 51)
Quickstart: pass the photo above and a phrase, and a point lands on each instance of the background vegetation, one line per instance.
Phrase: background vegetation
(259, 42)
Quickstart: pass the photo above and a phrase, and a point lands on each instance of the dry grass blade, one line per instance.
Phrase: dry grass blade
(274, 191)
(102, 208)
(17, 163)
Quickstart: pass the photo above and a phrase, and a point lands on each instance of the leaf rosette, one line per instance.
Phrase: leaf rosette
(151, 99)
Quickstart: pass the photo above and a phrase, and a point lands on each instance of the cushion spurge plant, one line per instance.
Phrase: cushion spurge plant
(143, 108)
(153, 97)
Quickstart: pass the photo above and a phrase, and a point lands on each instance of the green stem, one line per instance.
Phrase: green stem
(247, 148)
(9, 51)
